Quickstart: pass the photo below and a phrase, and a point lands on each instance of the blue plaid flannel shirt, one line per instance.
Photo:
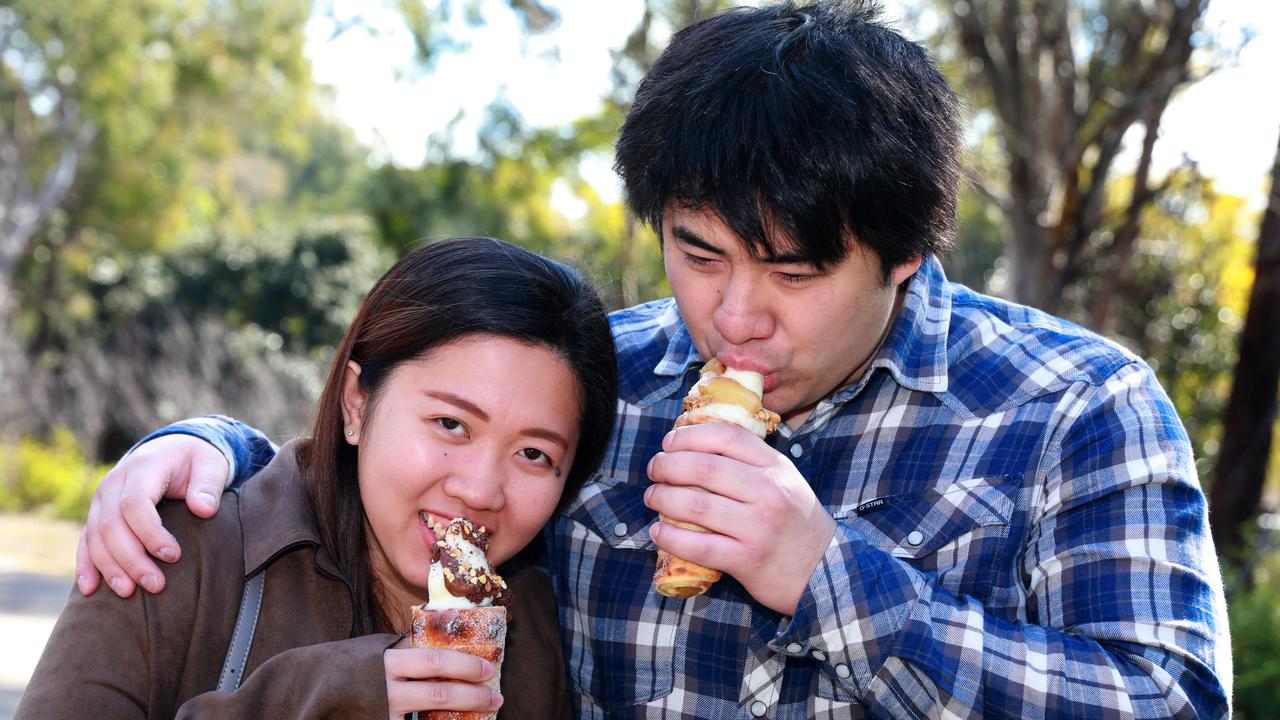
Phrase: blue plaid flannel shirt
(1020, 533)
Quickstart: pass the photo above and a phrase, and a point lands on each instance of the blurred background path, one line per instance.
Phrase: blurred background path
(37, 564)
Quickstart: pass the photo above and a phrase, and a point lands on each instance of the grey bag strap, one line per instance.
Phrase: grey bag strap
(242, 637)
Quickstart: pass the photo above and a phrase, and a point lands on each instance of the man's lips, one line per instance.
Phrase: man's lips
(743, 362)
(770, 382)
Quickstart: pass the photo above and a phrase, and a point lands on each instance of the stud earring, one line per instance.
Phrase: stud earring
(351, 433)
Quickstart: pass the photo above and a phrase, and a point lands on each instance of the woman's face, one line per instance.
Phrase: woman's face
(484, 427)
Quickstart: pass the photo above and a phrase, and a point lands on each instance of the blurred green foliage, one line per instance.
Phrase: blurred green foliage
(175, 90)
(1189, 287)
(51, 476)
(1255, 640)
(302, 283)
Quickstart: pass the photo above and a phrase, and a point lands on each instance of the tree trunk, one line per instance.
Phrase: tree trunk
(1250, 419)
(14, 409)
(1027, 258)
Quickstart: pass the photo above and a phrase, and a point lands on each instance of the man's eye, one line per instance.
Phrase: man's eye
(452, 425)
(796, 279)
(697, 260)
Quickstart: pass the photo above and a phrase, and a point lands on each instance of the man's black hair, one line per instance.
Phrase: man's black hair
(801, 126)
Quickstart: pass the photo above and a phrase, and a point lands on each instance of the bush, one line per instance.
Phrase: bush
(50, 476)
(1255, 641)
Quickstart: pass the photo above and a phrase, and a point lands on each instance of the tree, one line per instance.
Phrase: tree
(118, 123)
(1251, 412)
(1060, 85)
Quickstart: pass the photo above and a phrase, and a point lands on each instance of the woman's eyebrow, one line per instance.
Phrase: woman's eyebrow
(546, 434)
(458, 401)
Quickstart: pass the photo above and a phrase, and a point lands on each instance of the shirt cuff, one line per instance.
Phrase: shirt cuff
(853, 610)
(203, 428)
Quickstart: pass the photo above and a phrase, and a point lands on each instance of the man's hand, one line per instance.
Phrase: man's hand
(436, 679)
(123, 525)
(765, 526)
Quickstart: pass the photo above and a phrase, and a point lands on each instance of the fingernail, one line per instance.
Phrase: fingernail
(167, 554)
(496, 701)
(150, 583)
(119, 585)
(648, 493)
(82, 582)
(486, 670)
(666, 439)
(207, 498)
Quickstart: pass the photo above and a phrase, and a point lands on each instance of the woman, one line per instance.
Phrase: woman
(477, 379)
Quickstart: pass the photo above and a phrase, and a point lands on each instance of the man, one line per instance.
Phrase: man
(971, 509)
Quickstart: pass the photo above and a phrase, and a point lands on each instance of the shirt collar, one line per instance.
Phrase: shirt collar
(915, 351)
(681, 353)
(275, 513)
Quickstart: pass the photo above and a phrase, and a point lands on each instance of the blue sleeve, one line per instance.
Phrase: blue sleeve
(246, 449)
(1124, 610)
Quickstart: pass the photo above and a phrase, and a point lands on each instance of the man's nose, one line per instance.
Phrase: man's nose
(743, 313)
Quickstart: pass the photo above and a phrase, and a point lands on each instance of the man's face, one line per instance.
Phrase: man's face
(808, 332)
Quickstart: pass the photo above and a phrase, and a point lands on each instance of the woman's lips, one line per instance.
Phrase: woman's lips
(431, 527)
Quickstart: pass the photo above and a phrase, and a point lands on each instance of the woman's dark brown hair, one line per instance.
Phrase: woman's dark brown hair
(431, 297)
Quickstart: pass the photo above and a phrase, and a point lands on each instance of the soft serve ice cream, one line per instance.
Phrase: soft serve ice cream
(724, 394)
(460, 575)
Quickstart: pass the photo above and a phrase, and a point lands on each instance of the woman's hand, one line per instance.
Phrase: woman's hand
(436, 679)
(123, 526)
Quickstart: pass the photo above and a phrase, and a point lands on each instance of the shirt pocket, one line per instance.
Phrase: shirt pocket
(957, 533)
(623, 632)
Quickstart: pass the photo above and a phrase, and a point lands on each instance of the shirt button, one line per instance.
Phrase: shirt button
(620, 529)
(758, 708)
(795, 648)
(915, 538)
(843, 671)
(819, 655)
(796, 450)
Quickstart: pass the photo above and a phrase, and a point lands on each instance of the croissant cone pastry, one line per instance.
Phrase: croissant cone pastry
(726, 395)
(466, 606)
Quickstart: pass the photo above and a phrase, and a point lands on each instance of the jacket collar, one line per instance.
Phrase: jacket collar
(275, 513)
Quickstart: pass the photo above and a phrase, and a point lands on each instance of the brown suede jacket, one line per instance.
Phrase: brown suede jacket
(159, 656)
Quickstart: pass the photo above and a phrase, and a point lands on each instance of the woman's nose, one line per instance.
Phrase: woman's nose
(478, 485)
(742, 314)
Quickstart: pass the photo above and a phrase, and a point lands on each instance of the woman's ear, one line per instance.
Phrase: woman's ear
(354, 402)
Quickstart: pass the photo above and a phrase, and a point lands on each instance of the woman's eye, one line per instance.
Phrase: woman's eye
(536, 455)
(452, 425)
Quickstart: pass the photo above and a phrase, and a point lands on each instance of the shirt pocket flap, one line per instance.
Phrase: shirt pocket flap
(615, 511)
(915, 526)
